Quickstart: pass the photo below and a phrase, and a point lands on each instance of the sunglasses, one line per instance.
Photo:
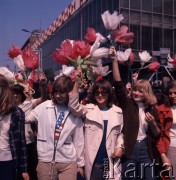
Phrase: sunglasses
(103, 93)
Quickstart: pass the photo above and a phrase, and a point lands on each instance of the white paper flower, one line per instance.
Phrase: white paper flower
(94, 47)
(170, 65)
(144, 56)
(124, 56)
(100, 70)
(67, 70)
(7, 73)
(100, 38)
(20, 63)
(111, 21)
(100, 53)
(169, 58)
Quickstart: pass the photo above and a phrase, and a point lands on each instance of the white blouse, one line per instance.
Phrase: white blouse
(173, 128)
(5, 153)
(143, 125)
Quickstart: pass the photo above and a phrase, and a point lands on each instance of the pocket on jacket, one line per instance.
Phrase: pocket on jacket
(42, 145)
(116, 132)
(90, 127)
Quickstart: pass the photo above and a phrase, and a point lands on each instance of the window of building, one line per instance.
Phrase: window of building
(157, 6)
(98, 22)
(104, 5)
(168, 36)
(136, 41)
(168, 21)
(146, 38)
(135, 4)
(157, 20)
(147, 5)
(115, 4)
(109, 6)
(157, 39)
(125, 13)
(90, 9)
(174, 6)
(146, 18)
(94, 14)
(124, 3)
(85, 20)
(174, 23)
(168, 7)
(134, 17)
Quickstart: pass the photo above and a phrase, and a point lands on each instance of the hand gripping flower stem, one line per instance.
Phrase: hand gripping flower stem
(30, 90)
(129, 70)
(115, 66)
(83, 66)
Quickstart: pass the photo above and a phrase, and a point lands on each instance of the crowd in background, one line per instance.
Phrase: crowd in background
(111, 130)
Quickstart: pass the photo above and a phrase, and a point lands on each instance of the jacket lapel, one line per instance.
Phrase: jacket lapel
(114, 119)
(94, 114)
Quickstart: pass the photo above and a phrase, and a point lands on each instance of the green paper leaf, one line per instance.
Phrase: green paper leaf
(88, 56)
(90, 63)
(83, 66)
(80, 61)
(90, 75)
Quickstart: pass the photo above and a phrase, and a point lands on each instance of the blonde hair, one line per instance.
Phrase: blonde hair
(145, 87)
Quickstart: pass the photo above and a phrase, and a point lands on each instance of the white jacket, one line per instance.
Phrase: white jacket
(94, 132)
(70, 146)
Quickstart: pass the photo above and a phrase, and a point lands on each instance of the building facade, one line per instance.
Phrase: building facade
(152, 21)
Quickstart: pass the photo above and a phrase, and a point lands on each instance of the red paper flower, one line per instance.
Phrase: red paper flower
(98, 78)
(154, 66)
(131, 58)
(80, 48)
(91, 35)
(122, 36)
(33, 76)
(173, 61)
(14, 52)
(61, 54)
(31, 60)
(71, 49)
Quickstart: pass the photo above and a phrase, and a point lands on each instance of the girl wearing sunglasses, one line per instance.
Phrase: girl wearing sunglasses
(103, 123)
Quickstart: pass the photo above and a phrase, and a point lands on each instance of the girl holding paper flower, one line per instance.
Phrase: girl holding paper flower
(103, 137)
(60, 139)
(141, 125)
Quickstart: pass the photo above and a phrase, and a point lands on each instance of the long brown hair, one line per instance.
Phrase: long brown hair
(7, 102)
(145, 87)
(166, 99)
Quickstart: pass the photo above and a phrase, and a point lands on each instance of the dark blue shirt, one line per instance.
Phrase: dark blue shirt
(102, 153)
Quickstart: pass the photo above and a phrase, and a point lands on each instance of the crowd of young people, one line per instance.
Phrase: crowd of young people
(126, 137)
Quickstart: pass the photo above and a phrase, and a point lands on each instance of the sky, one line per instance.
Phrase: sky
(16, 15)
